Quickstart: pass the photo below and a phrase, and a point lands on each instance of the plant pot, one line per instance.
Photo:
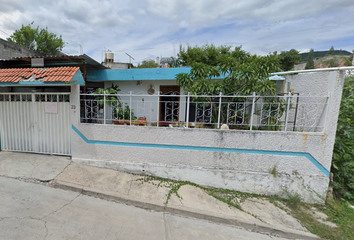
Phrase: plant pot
(118, 122)
(135, 122)
(142, 121)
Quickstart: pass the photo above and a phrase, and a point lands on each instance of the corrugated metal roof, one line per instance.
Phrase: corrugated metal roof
(58, 60)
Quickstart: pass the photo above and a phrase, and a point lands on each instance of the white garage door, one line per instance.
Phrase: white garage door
(35, 122)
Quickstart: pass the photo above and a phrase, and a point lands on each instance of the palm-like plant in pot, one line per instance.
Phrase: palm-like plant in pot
(111, 99)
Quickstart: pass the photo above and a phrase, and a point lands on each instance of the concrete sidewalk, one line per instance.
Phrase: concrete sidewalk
(258, 215)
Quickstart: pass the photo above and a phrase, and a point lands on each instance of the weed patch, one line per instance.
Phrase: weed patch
(273, 171)
(173, 185)
(338, 211)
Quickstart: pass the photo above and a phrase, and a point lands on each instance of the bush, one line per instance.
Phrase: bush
(343, 155)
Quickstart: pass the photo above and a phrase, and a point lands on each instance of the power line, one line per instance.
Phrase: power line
(9, 17)
(5, 32)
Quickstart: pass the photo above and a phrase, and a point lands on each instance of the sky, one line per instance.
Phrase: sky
(156, 28)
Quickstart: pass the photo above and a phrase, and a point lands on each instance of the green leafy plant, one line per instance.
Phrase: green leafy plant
(40, 40)
(112, 99)
(244, 73)
(343, 154)
(114, 89)
(129, 112)
(347, 61)
(148, 64)
(288, 59)
(293, 199)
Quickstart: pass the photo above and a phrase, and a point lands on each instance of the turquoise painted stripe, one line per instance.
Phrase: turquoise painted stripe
(136, 74)
(207, 149)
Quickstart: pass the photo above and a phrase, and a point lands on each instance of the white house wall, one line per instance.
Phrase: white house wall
(145, 106)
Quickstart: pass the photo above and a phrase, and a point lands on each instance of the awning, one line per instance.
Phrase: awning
(276, 78)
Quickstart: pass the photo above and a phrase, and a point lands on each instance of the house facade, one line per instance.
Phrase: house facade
(279, 146)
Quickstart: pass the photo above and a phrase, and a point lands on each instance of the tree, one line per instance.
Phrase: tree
(288, 59)
(310, 64)
(148, 64)
(331, 51)
(39, 40)
(206, 54)
(343, 154)
(244, 73)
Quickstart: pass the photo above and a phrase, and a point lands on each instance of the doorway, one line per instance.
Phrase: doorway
(169, 104)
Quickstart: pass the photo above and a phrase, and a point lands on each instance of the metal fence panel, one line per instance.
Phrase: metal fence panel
(287, 112)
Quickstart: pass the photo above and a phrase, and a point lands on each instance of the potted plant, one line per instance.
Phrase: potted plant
(142, 121)
(128, 115)
(118, 113)
(112, 99)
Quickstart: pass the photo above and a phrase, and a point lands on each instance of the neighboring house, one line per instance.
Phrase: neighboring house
(35, 96)
(110, 63)
(118, 65)
(84, 62)
(166, 62)
(35, 110)
(10, 50)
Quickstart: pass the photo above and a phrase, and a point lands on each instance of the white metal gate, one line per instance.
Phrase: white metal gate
(35, 122)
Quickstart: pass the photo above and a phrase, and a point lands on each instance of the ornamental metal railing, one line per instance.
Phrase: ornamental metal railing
(285, 112)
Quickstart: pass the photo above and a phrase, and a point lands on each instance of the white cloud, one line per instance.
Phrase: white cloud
(183, 24)
(152, 27)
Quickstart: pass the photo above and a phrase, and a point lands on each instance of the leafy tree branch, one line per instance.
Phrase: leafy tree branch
(39, 40)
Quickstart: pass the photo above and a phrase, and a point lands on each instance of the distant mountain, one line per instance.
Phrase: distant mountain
(338, 58)
(318, 54)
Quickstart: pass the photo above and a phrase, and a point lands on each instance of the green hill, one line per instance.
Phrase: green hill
(319, 54)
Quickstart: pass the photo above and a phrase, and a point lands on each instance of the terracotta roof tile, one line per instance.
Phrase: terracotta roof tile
(58, 74)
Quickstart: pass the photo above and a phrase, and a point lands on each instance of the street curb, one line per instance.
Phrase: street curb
(194, 214)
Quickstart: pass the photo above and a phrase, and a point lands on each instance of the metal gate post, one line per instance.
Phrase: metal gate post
(104, 107)
(130, 107)
(158, 108)
(34, 123)
(287, 111)
(219, 114)
(188, 101)
(253, 107)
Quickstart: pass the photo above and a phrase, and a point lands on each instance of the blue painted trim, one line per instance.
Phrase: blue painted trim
(207, 149)
(136, 74)
(78, 79)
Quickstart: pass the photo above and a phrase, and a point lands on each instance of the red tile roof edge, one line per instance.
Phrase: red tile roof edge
(56, 74)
